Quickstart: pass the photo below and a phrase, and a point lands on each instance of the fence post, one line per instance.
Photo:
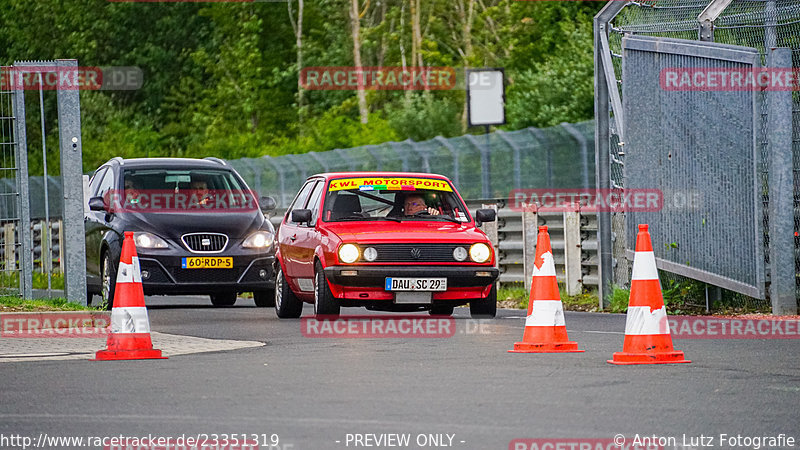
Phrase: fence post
(10, 249)
(781, 209)
(530, 230)
(572, 251)
(492, 232)
(44, 235)
(60, 247)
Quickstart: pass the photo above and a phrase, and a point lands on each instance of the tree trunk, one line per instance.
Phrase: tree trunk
(300, 91)
(467, 15)
(355, 23)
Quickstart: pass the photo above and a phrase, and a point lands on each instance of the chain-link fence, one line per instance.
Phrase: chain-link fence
(557, 157)
(760, 24)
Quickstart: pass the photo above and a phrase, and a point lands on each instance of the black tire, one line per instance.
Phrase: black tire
(441, 310)
(108, 281)
(484, 308)
(287, 305)
(324, 302)
(224, 299)
(265, 298)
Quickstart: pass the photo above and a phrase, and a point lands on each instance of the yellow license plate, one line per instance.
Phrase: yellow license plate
(207, 262)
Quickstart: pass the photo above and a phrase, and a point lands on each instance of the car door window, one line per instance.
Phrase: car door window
(300, 201)
(313, 202)
(106, 184)
(95, 181)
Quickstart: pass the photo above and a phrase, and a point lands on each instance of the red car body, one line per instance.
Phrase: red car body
(419, 252)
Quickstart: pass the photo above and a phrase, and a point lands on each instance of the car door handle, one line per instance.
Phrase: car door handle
(293, 238)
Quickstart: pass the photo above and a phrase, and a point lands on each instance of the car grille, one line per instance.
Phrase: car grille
(205, 242)
(206, 275)
(415, 252)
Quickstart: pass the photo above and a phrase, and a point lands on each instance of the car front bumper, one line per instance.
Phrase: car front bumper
(367, 283)
(164, 275)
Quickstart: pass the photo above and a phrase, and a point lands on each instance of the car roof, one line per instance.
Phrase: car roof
(330, 175)
(172, 163)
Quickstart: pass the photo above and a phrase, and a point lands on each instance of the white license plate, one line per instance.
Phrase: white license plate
(416, 284)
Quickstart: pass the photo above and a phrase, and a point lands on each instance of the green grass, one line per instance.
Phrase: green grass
(39, 280)
(516, 296)
(15, 303)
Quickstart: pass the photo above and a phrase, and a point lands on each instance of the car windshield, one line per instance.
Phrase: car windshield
(173, 190)
(396, 199)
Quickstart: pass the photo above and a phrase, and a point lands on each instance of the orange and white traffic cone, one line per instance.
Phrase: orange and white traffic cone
(130, 328)
(647, 337)
(545, 331)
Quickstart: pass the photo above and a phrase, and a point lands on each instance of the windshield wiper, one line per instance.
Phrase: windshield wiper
(393, 219)
(448, 218)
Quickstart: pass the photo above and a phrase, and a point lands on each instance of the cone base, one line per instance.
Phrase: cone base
(627, 359)
(546, 347)
(109, 355)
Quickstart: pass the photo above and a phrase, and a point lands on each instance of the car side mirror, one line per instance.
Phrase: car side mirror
(267, 203)
(485, 215)
(97, 204)
(301, 216)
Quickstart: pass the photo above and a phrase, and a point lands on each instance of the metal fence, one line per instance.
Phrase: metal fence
(556, 157)
(703, 126)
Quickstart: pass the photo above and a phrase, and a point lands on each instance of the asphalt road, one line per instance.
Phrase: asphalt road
(316, 393)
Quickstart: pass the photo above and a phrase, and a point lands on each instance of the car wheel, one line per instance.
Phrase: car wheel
(441, 310)
(108, 282)
(224, 299)
(484, 308)
(287, 305)
(324, 302)
(265, 298)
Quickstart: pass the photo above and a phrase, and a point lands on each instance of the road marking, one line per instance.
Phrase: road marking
(58, 349)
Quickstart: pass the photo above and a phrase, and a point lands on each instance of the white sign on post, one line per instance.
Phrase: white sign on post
(486, 97)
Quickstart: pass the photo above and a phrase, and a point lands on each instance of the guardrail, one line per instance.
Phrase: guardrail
(573, 237)
(43, 245)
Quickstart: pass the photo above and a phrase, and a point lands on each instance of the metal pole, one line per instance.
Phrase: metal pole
(46, 224)
(602, 175)
(23, 200)
(781, 188)
(71, 146)
(486, 176)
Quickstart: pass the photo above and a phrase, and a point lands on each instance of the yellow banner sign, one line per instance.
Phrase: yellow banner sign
(389, 184)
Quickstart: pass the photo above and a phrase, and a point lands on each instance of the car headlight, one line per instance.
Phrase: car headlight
(259, 239)
(144, 239)
(348, 253)
(370, 254)
(480, 252)
(460, 254)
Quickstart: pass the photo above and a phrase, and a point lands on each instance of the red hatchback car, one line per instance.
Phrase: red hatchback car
(386, 241)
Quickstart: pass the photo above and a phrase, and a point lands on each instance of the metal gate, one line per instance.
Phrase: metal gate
(701, 155)
(18, 230)
(727, 161)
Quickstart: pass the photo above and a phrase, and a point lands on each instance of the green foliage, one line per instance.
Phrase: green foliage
(618, 299)
(222, 79)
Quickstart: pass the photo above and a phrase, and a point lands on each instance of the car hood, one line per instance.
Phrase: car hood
(236, 225)
(406, 231)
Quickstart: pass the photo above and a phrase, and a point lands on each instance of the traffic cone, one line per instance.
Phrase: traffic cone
(130, 328)
(545, 331)
(647, 337)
